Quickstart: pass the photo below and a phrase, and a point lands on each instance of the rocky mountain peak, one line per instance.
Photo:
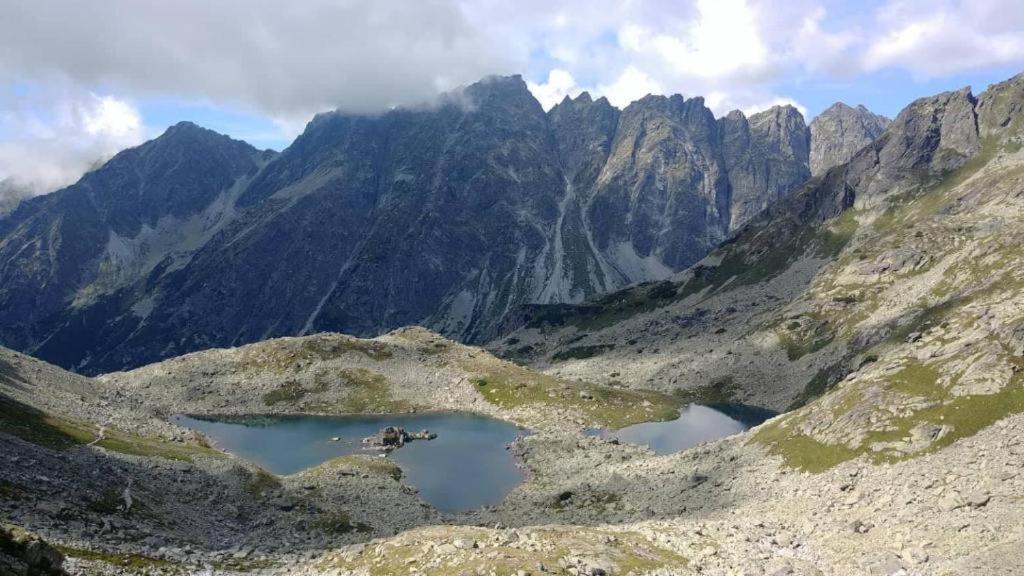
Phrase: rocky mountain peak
(511, 90)
(782, 128)
(839, 132)
(581, 98)
(583, 130)
(1001, 107)
(936, 134)
(765, 157)
(186, 126)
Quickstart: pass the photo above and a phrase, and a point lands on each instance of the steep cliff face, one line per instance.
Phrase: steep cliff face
(766, 157)
(840, 132)
(667, 182)
(664, 174)
(452, 216)
(584, 130)
(145, 205)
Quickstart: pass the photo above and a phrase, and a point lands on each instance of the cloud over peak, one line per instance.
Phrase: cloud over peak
(281, 58)
(96, 67)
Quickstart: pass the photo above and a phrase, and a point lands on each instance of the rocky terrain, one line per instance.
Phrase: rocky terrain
(878, 306)
(450, 216)
(840, 132)
(94, 468)
(829, 282)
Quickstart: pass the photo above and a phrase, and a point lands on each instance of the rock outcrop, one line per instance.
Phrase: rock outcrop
(840, 132)
(25, 554)
(394, 437)
(765, 159)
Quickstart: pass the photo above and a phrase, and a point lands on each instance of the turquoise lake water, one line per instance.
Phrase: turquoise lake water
(695, 424)
(467, 466)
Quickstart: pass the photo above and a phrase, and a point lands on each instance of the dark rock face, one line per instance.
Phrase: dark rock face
(840, 132)
(766, 157)
(665, 172)
(929, 138)
(57, 251)
(451, 216)
(25, 554)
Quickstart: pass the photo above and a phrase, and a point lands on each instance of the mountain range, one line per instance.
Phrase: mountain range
(878, 307)
(452, 216)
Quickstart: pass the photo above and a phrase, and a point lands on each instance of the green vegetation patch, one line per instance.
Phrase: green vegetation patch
(927, 201)
(720, 391)
(147, 446)
(108, 502)
(965, 416)
(332, 347)
(598, 500)
(368, 391)
(916, 379)
(261, 481)
(801, 451)
(288, 392)
(244, 564)
(55, 433)
(800, 341)
(281, 356)
(364, 463)
(133, 563)
(833, 238)
(511, 387)
(823, 381)
(12, 491)
(34, 426)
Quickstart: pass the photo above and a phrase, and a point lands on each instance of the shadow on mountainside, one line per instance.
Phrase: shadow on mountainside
(10, 376)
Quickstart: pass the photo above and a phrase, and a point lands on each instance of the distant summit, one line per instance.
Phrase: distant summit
(840, 132)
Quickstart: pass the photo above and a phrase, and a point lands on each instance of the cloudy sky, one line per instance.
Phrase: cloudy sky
(80, 80)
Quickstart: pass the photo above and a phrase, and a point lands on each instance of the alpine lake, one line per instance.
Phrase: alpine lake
(466, 466)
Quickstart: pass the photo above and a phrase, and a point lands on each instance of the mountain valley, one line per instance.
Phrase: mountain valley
(584, 269)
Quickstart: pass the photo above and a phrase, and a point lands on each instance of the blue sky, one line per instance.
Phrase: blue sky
(116, 73)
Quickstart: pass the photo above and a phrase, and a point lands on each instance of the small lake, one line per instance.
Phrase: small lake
(694, 425)
(465, 467)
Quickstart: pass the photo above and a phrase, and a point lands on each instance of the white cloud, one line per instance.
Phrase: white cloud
(109, 118)
(946, 38)
(284, 59)
(818, 50)
(559, 84)
(722, 103)
(723, 40)
(722, 49)
(631, 85)
(50, 137)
